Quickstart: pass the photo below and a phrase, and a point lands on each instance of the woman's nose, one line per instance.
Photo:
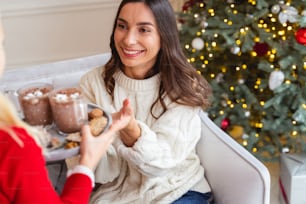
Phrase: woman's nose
(130, 37)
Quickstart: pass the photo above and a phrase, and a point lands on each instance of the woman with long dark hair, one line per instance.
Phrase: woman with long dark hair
(154, 159)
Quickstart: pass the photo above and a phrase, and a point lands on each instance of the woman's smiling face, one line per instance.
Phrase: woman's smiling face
(137, 39)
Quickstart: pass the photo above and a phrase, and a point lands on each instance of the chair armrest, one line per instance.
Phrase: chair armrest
(59, 73)
(234, 174)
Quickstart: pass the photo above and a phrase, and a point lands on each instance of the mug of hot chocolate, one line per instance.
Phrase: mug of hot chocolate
(69, 110)
(34, 102)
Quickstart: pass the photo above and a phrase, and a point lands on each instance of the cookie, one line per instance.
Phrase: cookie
(74, 137)
(97, 125)
(71, 144)
(95, 113)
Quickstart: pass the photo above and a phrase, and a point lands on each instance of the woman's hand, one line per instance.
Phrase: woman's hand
(93, 148)
(131, 132)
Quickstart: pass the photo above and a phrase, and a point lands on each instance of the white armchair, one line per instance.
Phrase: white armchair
(236, 176)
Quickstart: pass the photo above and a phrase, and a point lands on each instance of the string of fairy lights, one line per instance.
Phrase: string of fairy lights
(279, 24)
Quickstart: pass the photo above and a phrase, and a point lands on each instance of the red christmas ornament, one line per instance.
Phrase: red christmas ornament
(181, 20)
(187, 5)
(300, 36)
(199, 1)
(261, 49)
(190, 3)
(225, 123)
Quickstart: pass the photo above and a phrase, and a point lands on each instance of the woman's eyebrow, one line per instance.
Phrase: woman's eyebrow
(121, 19)
(140, 23)
(145, 23)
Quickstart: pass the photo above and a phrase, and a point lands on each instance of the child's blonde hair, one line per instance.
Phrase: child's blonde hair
(9, 117)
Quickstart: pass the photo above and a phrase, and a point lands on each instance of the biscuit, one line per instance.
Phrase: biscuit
(71, 144)
(97, 125)
(95, 113)
(74, 137)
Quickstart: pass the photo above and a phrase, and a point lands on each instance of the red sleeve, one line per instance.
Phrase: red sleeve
(25, 178)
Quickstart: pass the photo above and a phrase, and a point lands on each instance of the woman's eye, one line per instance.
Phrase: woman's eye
(144, 30)
(121, 26)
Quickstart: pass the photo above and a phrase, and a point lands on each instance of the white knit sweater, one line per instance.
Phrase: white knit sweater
(162, 165)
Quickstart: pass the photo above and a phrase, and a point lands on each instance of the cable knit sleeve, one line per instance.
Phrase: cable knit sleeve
(170, 140)
(86, 86)
(93, 89)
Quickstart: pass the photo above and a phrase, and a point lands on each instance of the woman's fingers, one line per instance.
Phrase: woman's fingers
(85, 130)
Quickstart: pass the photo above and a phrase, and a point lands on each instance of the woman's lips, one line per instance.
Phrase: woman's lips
(132, 53)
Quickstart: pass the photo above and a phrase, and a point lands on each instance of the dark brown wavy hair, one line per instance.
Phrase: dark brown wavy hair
(179, 80)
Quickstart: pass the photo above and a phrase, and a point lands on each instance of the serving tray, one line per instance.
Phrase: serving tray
(61, 153)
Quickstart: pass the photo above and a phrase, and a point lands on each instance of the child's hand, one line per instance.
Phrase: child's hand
(94, 147)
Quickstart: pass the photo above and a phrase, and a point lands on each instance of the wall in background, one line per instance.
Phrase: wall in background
(42, 31)
(177, 4)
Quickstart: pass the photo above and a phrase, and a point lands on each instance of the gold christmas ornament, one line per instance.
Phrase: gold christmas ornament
(236, 131)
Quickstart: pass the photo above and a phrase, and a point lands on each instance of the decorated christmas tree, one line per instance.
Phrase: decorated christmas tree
(253, 53)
